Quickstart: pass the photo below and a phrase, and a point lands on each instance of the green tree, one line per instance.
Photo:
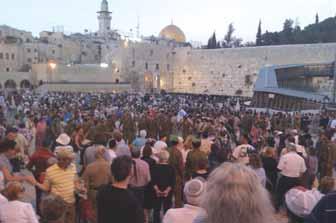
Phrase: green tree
(287, 36)
(212, 42)
(209, 43)
(228, 39)
(321, 32)
(317, 20)
(250, 44)
(259, 39)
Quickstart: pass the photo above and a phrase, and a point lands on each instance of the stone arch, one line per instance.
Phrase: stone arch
(25, 84)
(10, 84)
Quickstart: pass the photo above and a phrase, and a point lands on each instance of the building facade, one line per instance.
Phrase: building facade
(166, 62)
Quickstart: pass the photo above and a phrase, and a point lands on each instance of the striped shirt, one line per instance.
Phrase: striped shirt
(62, 182)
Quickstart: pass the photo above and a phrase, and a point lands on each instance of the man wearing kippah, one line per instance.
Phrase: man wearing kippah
(193, 192)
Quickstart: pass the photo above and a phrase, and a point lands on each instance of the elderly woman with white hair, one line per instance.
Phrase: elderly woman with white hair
(234, 194)
(193, 191)
(163, 181)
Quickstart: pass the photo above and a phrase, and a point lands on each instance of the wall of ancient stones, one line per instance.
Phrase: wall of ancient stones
(234, 71)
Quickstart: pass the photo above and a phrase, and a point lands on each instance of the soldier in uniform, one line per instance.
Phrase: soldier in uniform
(327, 155)
(297, 121)
(128, 124)
(193, 158)
(186, 126)
(152, 128)
(176, 161)
(246, 123)
(141, 119)
(164, 124)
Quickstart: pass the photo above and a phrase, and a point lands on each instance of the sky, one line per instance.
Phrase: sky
(197, 18)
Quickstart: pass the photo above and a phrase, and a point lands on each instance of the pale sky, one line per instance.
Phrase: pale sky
(197, 18)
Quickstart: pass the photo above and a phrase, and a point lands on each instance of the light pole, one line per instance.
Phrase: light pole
(51, 67)
(270, 97)
(326, 101)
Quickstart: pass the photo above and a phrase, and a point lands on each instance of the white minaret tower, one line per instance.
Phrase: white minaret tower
(104, 19)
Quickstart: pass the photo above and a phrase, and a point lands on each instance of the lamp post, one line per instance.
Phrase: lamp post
(270, 96)
(51, 67)
(326, 101)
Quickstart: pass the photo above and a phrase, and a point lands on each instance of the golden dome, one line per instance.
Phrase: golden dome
(174, 33)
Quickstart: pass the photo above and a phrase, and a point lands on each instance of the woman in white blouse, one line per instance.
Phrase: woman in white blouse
(15, 210)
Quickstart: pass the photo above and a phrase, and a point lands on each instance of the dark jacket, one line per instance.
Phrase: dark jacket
(324, 211)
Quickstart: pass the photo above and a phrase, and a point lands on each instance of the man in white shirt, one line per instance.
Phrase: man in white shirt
(193, 191)
(291, 167)
(241, 152)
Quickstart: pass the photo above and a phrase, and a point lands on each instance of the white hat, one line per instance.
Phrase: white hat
(301, 201)
(276, 132)
(193, 190)
(63, 139)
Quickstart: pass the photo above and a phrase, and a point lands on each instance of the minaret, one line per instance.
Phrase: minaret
(104, 19)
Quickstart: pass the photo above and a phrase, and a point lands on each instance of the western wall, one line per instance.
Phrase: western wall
(234, 71)
(202, 71)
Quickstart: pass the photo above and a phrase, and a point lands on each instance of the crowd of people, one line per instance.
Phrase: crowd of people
(131, 158)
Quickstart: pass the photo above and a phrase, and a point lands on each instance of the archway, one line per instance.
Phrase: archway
(10, 84)
(25, 84)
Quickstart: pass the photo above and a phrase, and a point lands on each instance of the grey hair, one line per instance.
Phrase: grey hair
(143, 133)
(163, 156)
(234, 195)
(291, 147)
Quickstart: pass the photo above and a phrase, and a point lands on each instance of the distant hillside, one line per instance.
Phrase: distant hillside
(319, 32)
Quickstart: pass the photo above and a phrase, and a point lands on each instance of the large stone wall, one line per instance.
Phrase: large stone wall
(229, 71)
(143, 64)
(75, 73)
(200, 71)
(80, 87)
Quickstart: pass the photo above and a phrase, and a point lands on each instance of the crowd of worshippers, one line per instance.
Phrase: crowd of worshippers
(162, 158)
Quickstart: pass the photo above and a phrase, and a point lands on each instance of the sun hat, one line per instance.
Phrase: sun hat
(63, 139)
